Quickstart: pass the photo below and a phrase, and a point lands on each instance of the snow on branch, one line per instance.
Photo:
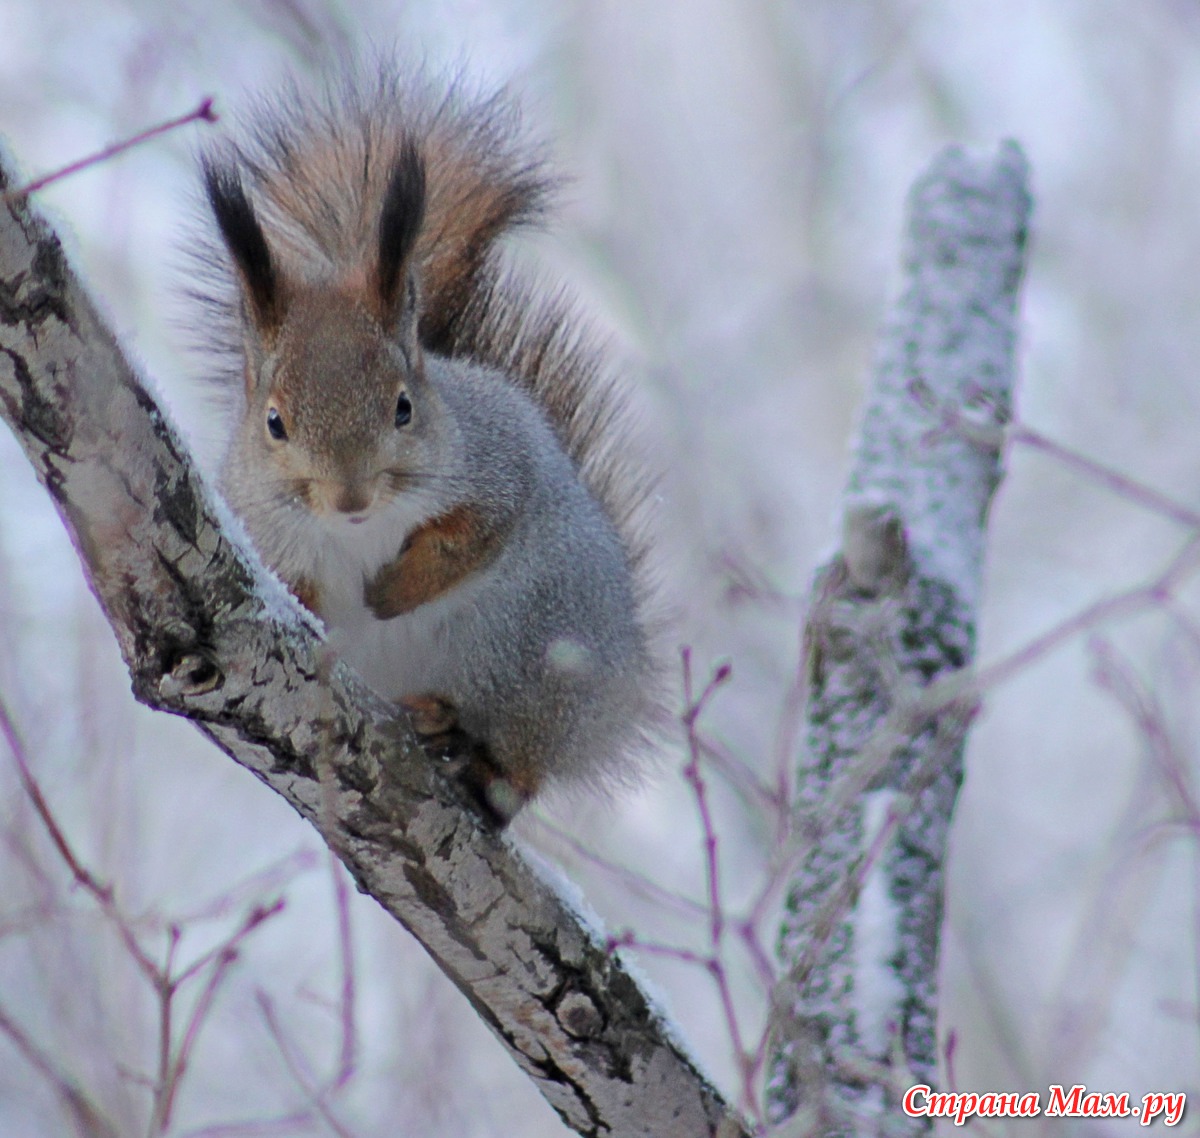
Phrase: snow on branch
(207, 635)
(855, 1018)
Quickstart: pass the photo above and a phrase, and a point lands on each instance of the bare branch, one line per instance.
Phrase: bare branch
(103, 893)
(89, 1122)
(315, 1098)
(203, 113)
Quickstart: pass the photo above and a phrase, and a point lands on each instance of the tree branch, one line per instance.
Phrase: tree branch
(892, 612)
(206, 634)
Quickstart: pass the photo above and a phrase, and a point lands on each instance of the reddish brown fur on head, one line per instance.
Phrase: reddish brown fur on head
(327, 362)
(383, 283)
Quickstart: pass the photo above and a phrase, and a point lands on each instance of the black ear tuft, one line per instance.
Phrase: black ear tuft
(246, 242)
(399, 223)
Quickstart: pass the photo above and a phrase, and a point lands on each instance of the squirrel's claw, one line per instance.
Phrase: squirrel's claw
(431, 715)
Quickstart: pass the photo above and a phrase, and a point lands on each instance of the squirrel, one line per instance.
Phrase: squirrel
(424, 444)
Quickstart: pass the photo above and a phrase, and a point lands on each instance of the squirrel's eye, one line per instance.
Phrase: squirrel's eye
(403, 410)
(275, 427)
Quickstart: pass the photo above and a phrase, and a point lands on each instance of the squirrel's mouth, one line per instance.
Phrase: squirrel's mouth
(344, 501)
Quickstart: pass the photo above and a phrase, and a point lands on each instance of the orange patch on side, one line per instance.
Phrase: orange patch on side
(435, 557)
(307, 593)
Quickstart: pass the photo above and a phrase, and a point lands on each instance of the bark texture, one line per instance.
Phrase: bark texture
(207, 635)
(892, 612)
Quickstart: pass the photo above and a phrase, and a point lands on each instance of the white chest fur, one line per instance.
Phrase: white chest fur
(406, 655)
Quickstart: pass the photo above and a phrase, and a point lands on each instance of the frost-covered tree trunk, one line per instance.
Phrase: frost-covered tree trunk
(893, 611)
(207, 635)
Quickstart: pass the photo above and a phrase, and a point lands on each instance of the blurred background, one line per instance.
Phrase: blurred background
(737, 174)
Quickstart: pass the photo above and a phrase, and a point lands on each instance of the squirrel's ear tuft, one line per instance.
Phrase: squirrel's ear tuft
(247, 244)
(399, 223)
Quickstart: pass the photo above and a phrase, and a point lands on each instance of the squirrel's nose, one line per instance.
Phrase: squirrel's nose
(353, 499)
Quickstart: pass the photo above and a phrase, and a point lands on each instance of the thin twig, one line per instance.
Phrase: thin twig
(951, 418)
(628, 939)
(1105, 476)
(1129, 603)
(291, 1062)
(288, 1125)
(173, 1064)
(177, 1068)
(89, 1121)
(636, 883)
(203, 113)
(272, 878)
(742, 779)
(691, 772)
(347, 1060)
(261, 912)
(102, 892)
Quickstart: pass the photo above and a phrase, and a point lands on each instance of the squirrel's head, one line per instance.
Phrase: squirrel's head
(338, 410)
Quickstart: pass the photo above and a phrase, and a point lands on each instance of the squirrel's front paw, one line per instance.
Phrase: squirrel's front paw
(435, 719)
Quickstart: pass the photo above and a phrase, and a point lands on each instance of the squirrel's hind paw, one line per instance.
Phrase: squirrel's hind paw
(467, 760)
(433, 717)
